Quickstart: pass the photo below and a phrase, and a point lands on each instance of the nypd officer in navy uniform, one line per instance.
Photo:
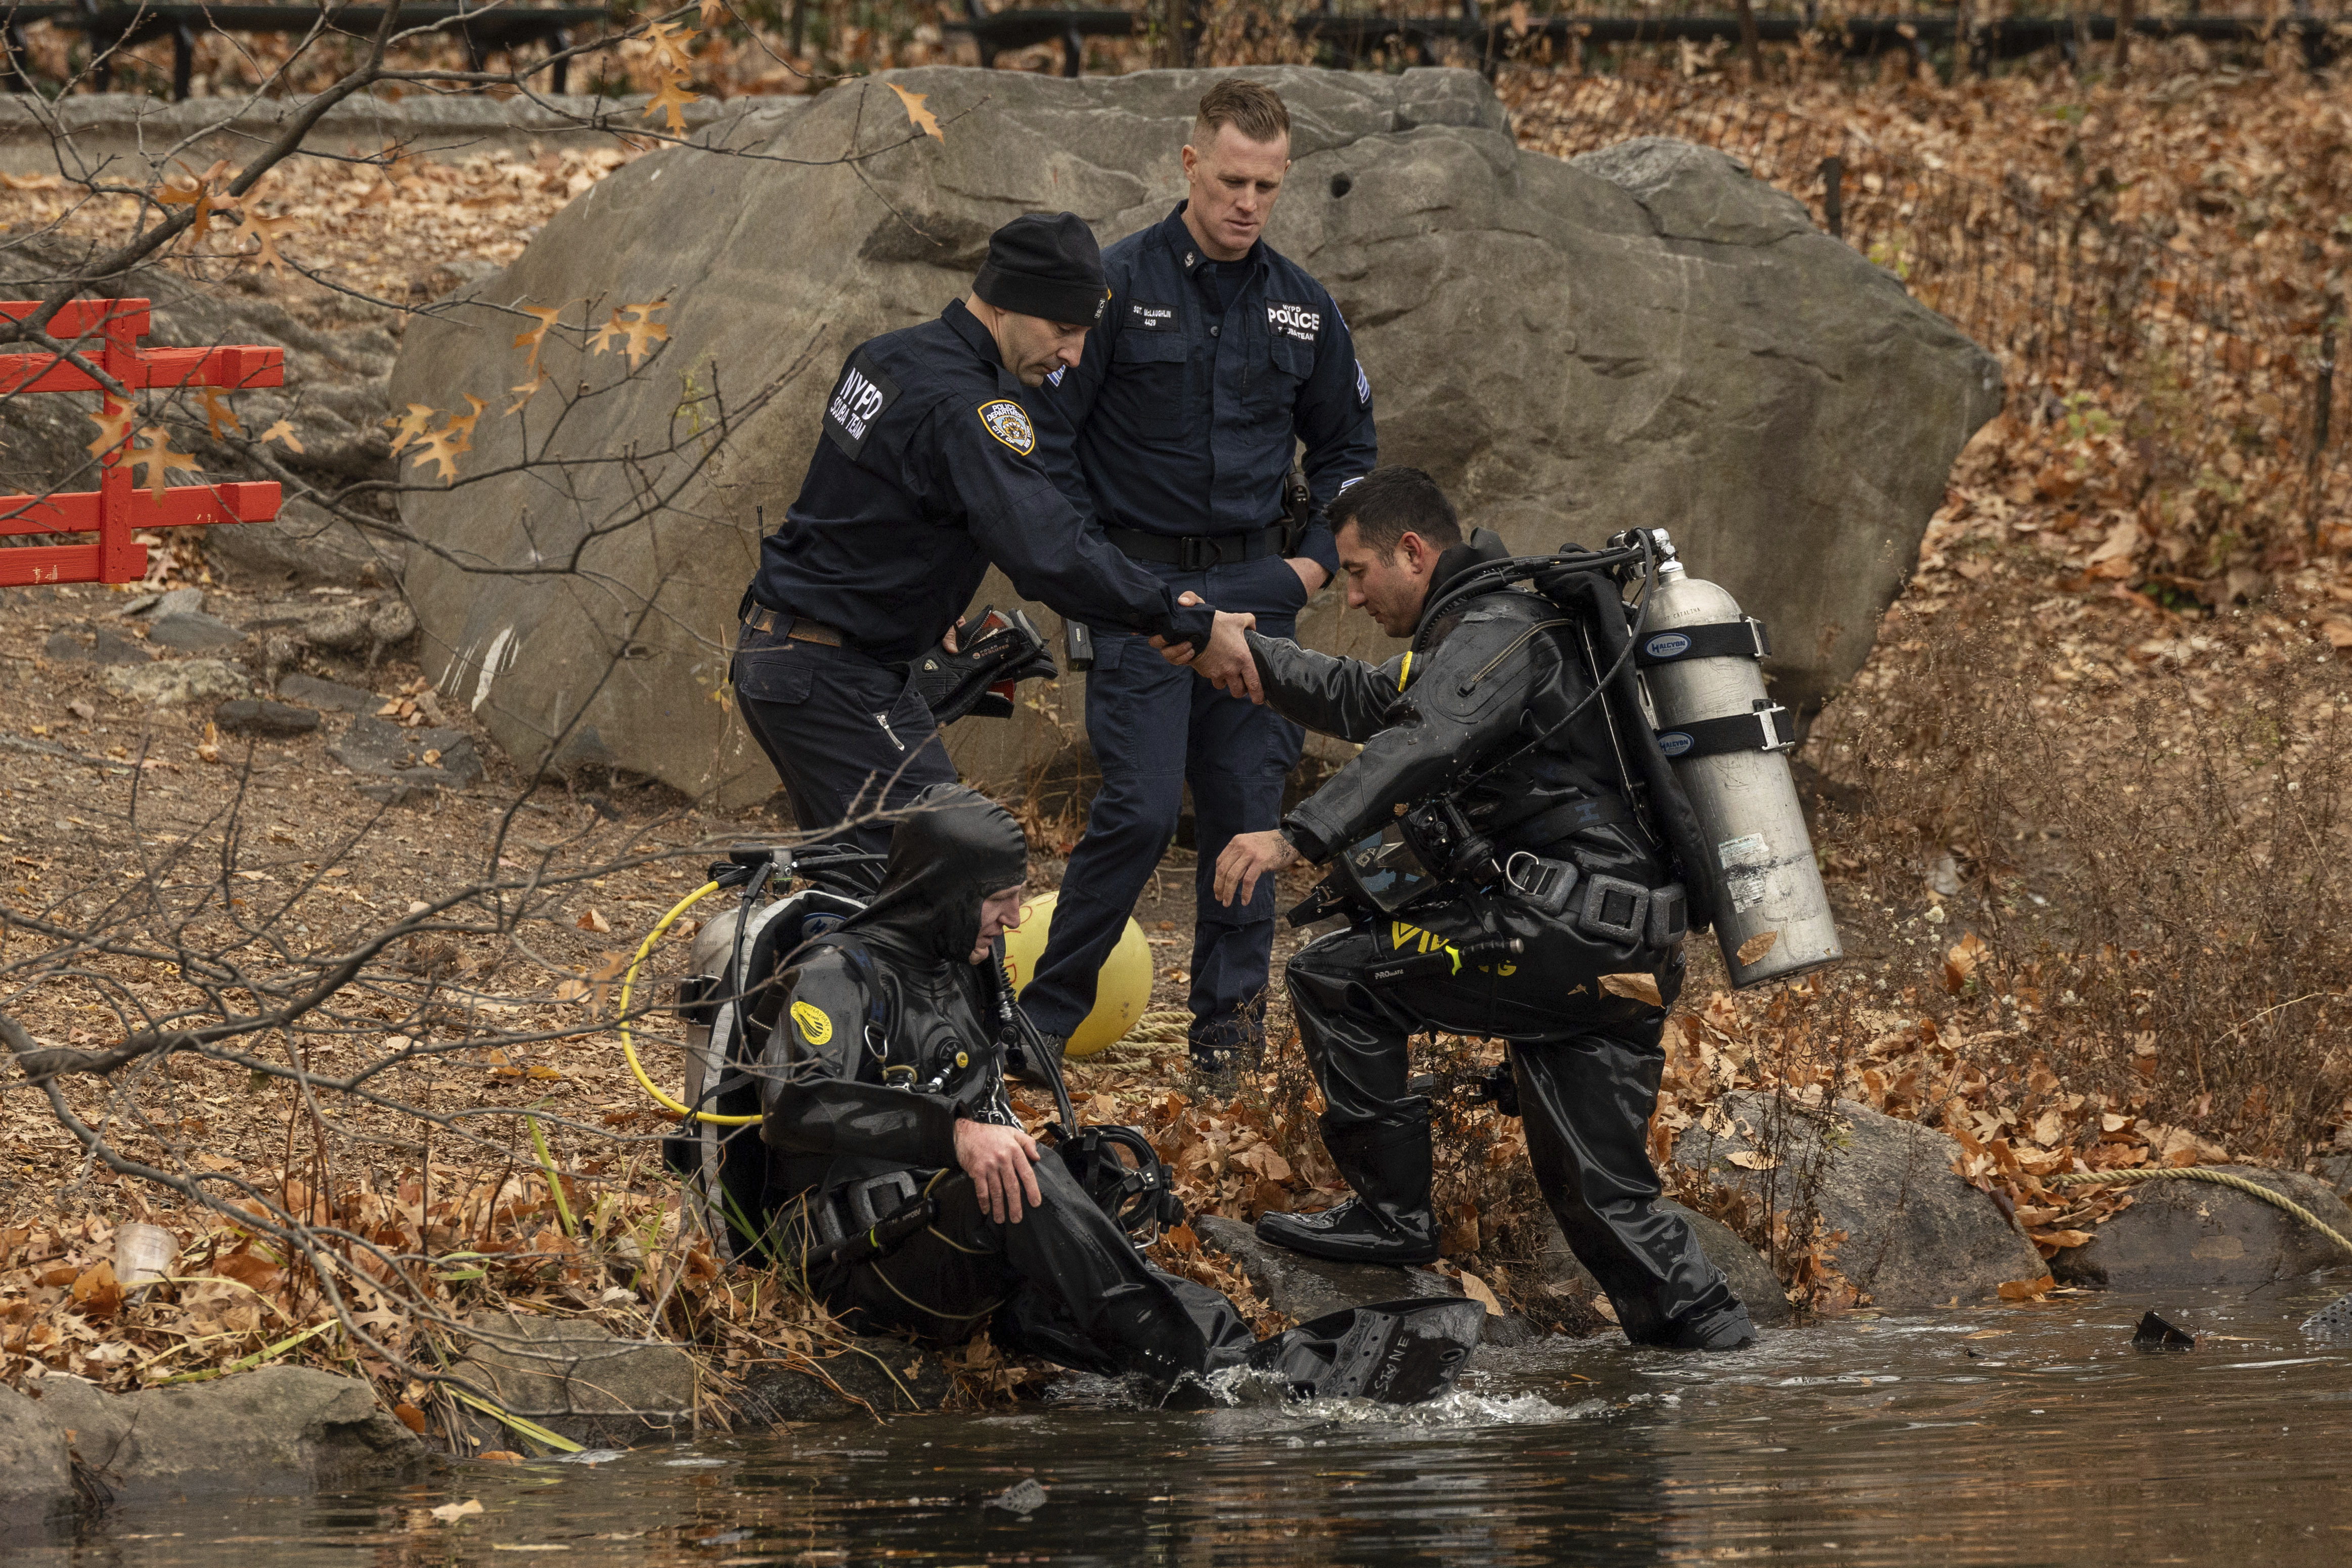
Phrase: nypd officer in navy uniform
(926, 473)
(1217, 358)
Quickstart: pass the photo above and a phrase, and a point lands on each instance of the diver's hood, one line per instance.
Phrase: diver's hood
(952, 849)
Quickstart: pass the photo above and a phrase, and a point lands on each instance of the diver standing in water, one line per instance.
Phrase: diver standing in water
(1484, 749)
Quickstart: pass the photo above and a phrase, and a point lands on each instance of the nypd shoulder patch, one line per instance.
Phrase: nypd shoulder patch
(1009, 423)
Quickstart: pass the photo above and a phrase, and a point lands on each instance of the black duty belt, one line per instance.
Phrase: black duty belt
(799, 628)
(1195, 552)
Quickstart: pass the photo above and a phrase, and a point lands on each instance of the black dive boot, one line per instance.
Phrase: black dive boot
(1388, 1219)
(1397, 1353)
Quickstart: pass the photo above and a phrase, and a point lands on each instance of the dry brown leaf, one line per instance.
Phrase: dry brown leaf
(113, 422)
(526, 391)
(921, 119)
(672, 44)
(1749, 1160)
(450, 1513)
(267, 231)
(410, 1417)
(1479, 1291)
(410, 426)
(1960, 962)
(499, 1457)
(671, 100)
(158, 459)
(534, 339)
(283, 431)
(591, 920)
(1639, 988)
(2027, 1290)
(217, 413)
(1752, 951)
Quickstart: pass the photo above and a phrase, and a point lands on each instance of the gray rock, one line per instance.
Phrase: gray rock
(578, 1379)
(2335, 1170)
(328, 695)
(1917, 1235)
(280, 1429)
(36, 1476)
(1751, 1276)
(107, 647)
(175, 602)
(1570, 349)
(358, 626)
(169, 683)
(254, 716)
(1307, 1287)
(189, 632)
(870, 1376)
(376, 746)
(2187, 1234)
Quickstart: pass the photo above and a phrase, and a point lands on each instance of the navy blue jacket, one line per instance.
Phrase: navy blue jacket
(1177, 423)
(925, 474)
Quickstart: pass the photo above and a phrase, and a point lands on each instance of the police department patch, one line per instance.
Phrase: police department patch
(1295, 321)
(1009, 423)
(861, 397)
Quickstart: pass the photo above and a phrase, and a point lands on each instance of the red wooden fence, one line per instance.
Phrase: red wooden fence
(116, 510)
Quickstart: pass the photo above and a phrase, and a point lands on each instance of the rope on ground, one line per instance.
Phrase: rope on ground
(1168, 1026)
(2276, 1199)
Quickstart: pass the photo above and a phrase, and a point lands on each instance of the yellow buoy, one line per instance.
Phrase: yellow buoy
(1121, 992)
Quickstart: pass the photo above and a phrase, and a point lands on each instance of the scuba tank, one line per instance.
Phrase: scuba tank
(1729, 743)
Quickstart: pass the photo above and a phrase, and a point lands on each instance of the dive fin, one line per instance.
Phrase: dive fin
(1397, 1353)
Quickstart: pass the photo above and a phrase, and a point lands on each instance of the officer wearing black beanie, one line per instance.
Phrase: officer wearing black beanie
(926, 473)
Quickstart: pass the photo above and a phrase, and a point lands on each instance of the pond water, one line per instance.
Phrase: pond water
(2027, 1434)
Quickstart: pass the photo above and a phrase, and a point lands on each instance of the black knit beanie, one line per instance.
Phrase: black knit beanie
(1048, 267)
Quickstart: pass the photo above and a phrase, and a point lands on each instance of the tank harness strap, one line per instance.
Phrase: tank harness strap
(1765, 730)
(1741, 639)
(1570, 818)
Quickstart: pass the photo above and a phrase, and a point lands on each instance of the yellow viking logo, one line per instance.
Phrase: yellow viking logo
(815, 1027)
(1009, 423)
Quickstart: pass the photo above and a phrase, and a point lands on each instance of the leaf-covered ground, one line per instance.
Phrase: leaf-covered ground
(2076, 812)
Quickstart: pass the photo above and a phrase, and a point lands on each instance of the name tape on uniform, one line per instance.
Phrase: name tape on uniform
(1009, 423)
(1150, 317)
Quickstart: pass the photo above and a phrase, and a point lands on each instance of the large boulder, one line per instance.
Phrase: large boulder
(1917, 1235)
(2187, 1234)
(280, 1429)
(35, 1474)
(1644, 336)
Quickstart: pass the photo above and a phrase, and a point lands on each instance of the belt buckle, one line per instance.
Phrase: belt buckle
(1189, 552)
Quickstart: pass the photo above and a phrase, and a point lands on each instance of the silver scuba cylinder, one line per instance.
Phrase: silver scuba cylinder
(1729, 744)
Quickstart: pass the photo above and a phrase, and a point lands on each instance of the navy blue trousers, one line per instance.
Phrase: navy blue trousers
(1156, 728)
(850, 739)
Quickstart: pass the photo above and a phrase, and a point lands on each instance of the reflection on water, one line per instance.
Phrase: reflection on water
(2026, 1435)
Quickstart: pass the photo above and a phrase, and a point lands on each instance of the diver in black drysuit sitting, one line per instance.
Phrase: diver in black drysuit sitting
(883, 1082)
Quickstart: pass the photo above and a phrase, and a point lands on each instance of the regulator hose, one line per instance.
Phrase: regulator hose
(629, 1045)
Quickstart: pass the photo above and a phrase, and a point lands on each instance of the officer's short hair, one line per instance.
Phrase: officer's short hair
(1251, 108)
(1388, 503)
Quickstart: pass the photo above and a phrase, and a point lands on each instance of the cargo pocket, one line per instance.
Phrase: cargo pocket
(772, 668)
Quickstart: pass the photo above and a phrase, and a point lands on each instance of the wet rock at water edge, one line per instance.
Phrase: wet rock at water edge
(578, 1379)
(35, 1475)
(868, 1377)
(252, 716)
(2187, 1234)
(1308, 1287)
(1751, 1278)
(2155, 1334)
(1917, 1235)
(280, 1429)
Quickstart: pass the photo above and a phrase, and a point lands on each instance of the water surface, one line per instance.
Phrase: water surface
(2027, 1434)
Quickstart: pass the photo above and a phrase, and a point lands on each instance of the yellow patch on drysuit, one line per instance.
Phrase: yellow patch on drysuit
(815, 1027)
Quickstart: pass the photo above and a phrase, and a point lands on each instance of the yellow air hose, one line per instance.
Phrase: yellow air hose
(629, 1046)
